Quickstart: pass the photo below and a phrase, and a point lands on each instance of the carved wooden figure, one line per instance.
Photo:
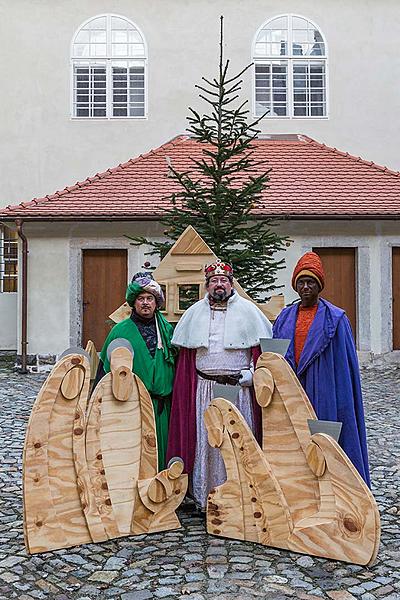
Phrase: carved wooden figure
(121, 451)
(93, 476)
(52, 475)
(300, 492)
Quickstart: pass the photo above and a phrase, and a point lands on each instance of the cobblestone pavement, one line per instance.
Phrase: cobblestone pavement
(187, 563)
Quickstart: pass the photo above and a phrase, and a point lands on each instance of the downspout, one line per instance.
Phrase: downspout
(24, 327)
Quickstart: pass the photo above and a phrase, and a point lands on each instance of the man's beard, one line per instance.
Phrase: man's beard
(219, 295)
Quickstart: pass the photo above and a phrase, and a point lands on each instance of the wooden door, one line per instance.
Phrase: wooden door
(340, 280)
(396, 297)
(104, 280)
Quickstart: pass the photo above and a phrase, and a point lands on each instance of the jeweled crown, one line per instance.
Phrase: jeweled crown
(218, 268)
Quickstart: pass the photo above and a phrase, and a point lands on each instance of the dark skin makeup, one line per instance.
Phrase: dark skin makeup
(308, 289)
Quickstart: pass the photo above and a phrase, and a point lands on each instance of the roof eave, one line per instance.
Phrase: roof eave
(153, 217)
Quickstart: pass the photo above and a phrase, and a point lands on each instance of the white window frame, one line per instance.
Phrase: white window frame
(289, 59)
(108, 59)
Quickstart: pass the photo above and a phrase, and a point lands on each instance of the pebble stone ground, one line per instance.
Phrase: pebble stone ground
(187, 563)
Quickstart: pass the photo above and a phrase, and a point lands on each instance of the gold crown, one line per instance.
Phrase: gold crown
(218, 268)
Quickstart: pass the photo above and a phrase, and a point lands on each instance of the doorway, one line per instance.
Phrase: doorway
(104, 281)
(340, 280)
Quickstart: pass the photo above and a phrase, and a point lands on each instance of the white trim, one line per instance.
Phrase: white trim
(108, 59)
(290, 60)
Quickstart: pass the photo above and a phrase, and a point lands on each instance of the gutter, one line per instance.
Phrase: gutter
(24, 325)
(258, 217)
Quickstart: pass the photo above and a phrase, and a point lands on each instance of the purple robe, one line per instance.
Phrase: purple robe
(182, 425)
(329, 373)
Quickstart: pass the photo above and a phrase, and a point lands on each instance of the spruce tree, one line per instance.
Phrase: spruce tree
(220, 191)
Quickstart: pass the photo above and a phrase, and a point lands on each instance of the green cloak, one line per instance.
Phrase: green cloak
(156, 373)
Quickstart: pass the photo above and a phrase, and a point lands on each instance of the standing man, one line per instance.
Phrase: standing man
(323, 355)
(219, 340)
(150, 337)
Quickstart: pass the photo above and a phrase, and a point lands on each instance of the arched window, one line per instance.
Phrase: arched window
(290, 62)
(108, 69)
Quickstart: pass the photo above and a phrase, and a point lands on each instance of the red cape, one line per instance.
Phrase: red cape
(182, 425)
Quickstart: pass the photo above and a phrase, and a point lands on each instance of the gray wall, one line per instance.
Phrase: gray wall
(42, 149)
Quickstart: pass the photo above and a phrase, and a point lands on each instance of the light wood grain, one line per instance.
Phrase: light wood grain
(285, 432)
(122, 379)
(53, 513)
(175, 468)
(89, 477)
(72, 382)
(250, 483)
(300, 492)
(94, 458)
(94, 358)
(121, 450)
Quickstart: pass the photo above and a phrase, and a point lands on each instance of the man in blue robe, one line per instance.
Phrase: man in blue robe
(323, 356)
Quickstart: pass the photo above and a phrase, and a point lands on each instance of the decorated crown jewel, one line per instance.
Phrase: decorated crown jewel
(218, 268)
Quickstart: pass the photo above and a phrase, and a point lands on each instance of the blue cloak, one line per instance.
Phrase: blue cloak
(329, 373)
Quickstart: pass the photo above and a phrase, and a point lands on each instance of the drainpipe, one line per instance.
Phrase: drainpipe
(24, 328)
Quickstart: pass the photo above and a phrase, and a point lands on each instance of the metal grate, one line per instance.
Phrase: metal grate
(8, 260)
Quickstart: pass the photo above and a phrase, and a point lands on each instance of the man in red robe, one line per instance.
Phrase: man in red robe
(218, 339)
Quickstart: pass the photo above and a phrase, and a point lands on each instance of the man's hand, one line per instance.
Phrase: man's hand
(246, 378)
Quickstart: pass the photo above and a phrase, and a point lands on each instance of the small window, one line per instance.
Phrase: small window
(163, 307)
(290, 64)
(8, 260)
(108, 69)
(188, 294)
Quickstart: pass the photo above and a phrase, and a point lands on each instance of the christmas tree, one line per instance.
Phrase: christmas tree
(219, 193)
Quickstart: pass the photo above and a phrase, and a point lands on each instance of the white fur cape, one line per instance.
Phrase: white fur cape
(245, 324)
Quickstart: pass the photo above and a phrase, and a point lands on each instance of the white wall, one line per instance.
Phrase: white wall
(42, 149)
(55, 251)
(8, 321)
(48, 296)
(54, 277)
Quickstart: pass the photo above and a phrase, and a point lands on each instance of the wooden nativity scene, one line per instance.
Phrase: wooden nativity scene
(90, 466)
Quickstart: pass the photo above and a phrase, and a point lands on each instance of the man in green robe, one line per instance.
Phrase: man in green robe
(149, 334)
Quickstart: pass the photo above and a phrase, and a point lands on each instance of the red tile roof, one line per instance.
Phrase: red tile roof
(308, 180)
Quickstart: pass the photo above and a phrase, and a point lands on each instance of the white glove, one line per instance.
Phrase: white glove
(246, 378)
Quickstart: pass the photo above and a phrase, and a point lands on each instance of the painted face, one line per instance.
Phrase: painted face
(219, 287)
(308, 290)
(145, 305)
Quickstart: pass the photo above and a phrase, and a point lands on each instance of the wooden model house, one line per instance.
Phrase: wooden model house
(181, 276)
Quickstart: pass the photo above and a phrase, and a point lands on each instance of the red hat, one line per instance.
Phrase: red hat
(309, 264)
(218, 268)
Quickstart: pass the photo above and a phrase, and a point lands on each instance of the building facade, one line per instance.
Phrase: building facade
(91, 84)
(47, 143)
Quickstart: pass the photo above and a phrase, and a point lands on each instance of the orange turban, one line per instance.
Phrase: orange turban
(309, 264)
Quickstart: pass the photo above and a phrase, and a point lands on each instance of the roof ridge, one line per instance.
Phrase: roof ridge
(370, 163)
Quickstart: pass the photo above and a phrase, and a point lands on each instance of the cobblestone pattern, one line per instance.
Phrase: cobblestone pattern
(187, 563)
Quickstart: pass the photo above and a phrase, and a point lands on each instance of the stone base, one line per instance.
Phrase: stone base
(37, 363)
(387, 360)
